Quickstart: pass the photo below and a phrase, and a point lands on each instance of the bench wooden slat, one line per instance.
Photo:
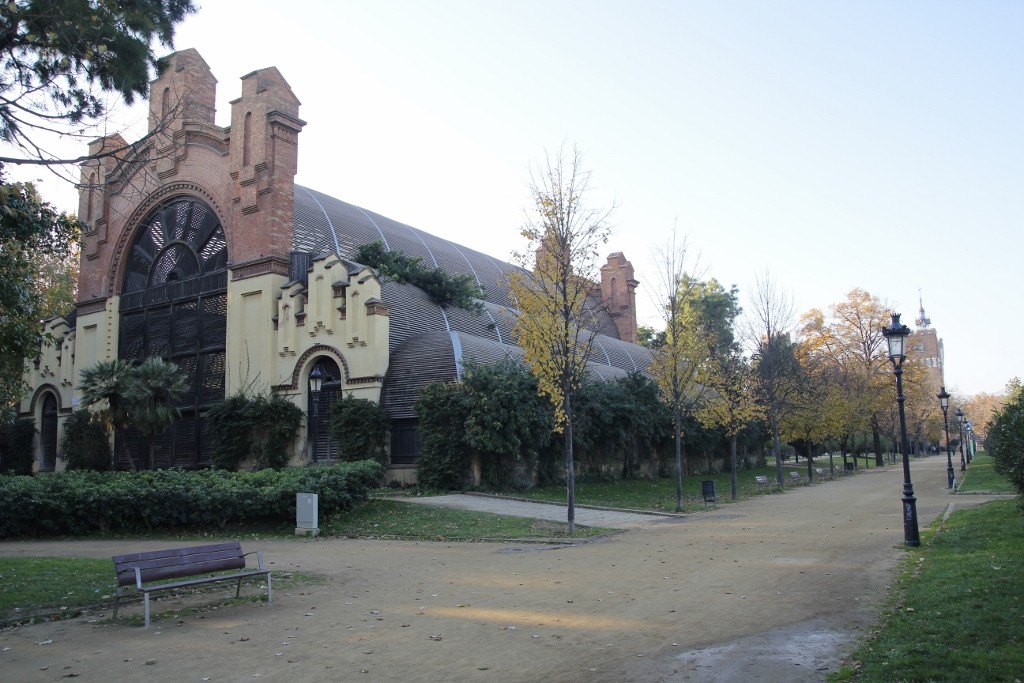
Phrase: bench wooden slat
(177, 562)
(231, 546)
(126, 575)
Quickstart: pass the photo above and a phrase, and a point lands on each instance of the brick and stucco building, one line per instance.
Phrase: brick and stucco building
(201, 249)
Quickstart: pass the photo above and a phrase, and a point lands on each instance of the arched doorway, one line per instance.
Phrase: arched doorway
(322, 448)
(174, 306)
(48, 434)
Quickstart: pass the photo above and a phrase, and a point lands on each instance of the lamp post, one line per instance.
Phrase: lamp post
(960, 422)
(970, 441)
(896, 335)
(316, 381)
(943, 397)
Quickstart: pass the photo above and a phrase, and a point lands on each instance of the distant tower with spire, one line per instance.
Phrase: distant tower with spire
(926, 347)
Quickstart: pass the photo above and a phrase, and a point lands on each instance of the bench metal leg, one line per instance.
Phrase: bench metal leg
(238, 587)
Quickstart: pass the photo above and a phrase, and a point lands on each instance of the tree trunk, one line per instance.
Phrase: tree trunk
(120, 444)
(776, 445)
(876, 434)
(679, 460)
(732, 455)
(570, 468)
(810, 463)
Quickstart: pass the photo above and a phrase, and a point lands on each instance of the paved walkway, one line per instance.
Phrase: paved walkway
(586, 516)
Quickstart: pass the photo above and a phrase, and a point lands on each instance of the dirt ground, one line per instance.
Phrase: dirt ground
(777, 588)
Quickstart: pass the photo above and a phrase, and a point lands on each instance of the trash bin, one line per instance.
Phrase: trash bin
(849, 467)
(707, 490)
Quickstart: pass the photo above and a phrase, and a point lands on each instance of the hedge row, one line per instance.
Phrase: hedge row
(83, 502)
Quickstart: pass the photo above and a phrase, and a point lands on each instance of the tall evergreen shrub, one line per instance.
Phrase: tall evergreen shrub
(1005, 443)
(85, 444)
(20, 447)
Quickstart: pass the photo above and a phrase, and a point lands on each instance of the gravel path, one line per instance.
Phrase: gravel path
(777, 588)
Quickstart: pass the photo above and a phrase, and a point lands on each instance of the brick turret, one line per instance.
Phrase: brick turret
(263, 161)
(618, 291)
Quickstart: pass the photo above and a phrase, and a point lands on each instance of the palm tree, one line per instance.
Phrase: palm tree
(108, 381)
(142, 396)
(152, 394)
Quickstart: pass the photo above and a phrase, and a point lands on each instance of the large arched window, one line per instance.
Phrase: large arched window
(174, 306)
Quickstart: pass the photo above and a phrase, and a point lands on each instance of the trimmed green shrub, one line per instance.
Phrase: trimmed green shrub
(20, 447)
(85, 444)
(360, 428)
(85, 502)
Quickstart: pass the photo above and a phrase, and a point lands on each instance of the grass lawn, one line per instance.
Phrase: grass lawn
(62, 583)
(660, 494)
(957, 610)
(47, 588)
(981, 477)
(393, 519)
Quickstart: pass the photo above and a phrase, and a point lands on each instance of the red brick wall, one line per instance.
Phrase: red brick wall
(249, 182)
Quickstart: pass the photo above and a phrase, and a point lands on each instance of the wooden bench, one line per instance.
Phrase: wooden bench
(763, 482)
(139, 569)
(795, 477)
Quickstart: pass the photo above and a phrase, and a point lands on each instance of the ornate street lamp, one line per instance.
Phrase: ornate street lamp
(943, 397)
(960, 421)
(896, 336)
(316, 382)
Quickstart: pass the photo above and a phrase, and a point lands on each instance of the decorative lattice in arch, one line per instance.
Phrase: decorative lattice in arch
(174, 306)
(179, 240)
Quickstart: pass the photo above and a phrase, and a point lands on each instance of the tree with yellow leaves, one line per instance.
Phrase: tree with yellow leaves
(558, 318)
(819, 410)
(851, 340)
(732, 401)
(699, 317)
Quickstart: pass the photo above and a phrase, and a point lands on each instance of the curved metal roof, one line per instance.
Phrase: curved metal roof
(326, 224)
(428, 343)
(435, 357)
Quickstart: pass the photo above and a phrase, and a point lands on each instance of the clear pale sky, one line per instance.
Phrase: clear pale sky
(836, 145)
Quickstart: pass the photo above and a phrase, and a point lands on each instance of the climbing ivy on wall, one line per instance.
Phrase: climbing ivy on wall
(360, 428)
(260, 427)
(444, 289)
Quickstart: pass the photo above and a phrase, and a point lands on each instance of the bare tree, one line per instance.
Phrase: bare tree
(770, 322)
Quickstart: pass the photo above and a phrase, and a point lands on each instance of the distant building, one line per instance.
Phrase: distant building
(202, 250)
(926, 348)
